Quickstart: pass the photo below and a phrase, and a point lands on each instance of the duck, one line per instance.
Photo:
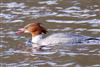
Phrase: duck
(37, 31)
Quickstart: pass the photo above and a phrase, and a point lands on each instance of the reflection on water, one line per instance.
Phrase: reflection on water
(76, 16)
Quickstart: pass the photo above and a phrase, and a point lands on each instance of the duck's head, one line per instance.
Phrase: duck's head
(34, 28)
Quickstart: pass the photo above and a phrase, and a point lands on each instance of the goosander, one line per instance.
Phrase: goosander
(37, 31)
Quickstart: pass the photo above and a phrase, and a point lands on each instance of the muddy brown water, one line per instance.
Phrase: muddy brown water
(75, 16)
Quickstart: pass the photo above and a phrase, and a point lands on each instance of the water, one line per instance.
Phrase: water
(76, 16)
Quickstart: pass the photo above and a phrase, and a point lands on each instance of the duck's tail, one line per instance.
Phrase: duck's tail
(92, 41)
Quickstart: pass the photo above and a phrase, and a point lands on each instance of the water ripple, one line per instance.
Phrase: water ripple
(96, 21)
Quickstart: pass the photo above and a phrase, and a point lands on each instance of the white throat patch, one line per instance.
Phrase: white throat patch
(37, 38)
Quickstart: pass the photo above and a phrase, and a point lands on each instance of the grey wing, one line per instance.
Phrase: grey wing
(63, 38)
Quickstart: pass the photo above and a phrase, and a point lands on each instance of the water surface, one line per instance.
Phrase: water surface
(75, 16)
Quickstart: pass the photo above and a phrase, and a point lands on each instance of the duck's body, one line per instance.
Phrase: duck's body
(38, 31)
(59, 38)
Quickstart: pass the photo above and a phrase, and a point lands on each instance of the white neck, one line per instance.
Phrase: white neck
(37, 38)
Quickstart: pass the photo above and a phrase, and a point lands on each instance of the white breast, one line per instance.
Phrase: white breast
(36, 39)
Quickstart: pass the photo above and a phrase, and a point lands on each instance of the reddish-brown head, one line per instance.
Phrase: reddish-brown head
(34, 29)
